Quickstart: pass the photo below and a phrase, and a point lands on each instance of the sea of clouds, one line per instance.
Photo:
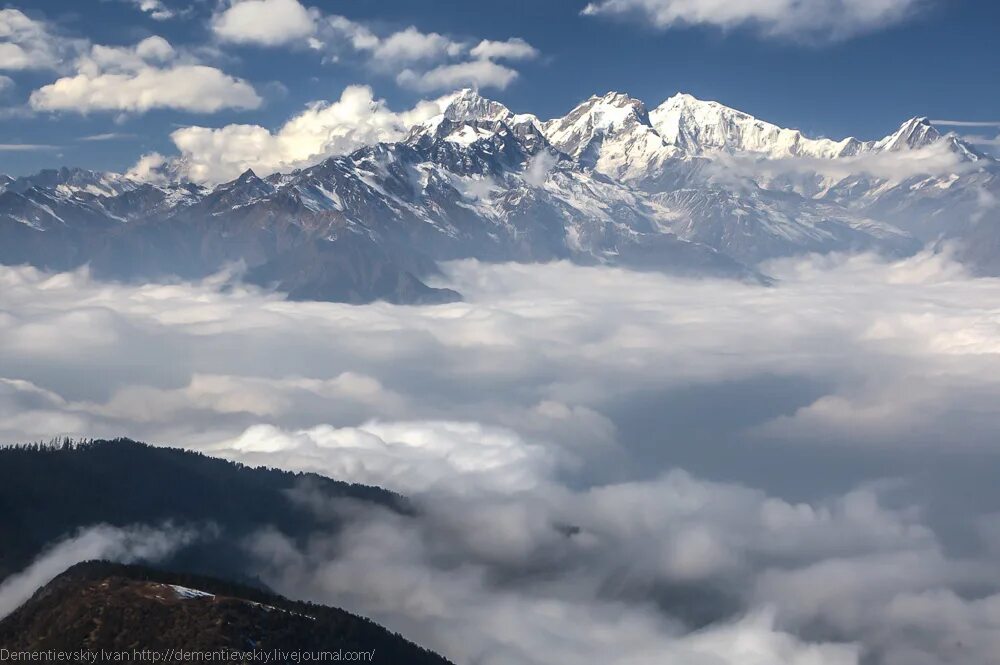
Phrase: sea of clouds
(609, 465)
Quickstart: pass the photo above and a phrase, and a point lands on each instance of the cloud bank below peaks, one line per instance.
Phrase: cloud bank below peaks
(702, 572)
(725, 501)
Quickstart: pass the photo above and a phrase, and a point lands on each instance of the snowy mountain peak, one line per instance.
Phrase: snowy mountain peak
(612, 134)
(247, 176)
(245, 188)
(467, 117)
(70, 181)
(620, 100)
(594, 120)
(609, 111)
(468, 105)
(918, 133)
(701, 127)
(913, 134)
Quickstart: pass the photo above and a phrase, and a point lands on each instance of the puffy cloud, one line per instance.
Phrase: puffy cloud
(496, 619)
(157, 10)
(149, 168)
(551, 574)
(400, 48)
(146, 76)
(406, 457)
(411, 45)
(265, 22)
(284, 22)
(195, 88)
(126, 545)
(511, 49)
(322, 130)
(26, 43)
(475, 73)
(792, 19)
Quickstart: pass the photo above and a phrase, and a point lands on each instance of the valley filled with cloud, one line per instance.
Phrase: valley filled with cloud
(791, 473)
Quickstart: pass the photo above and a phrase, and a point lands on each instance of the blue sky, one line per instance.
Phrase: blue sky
(828, 67)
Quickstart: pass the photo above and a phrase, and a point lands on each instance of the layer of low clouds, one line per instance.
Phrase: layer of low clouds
(605, 462)
(506, 563)
(935, 159)
(533, 349)
(799, 20)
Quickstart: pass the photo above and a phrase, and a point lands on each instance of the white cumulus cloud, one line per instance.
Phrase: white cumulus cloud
(511, 49)
(156, 9)
(474, 73)
(149, 75)
(265, 22)
(423, 60)
(322, 130)
(26, 43)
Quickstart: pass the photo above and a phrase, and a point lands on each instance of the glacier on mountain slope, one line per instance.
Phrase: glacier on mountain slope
(689, 187)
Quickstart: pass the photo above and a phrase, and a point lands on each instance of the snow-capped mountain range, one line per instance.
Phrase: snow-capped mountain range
(691, 187)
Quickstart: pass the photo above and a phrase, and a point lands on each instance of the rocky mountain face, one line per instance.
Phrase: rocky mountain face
(691, 187)
(98, 606)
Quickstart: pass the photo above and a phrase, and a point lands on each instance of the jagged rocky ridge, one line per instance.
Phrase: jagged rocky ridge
(691, 187)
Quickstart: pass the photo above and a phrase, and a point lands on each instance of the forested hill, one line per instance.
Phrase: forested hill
(48, 492)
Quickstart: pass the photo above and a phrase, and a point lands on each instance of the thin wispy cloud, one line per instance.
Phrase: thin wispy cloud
(109, 136)
(796, 20)
(26, 147)
(967, 123)
(982, 140)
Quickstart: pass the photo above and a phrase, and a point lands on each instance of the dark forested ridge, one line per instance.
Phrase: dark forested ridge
(49, 492)
(99, 605)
